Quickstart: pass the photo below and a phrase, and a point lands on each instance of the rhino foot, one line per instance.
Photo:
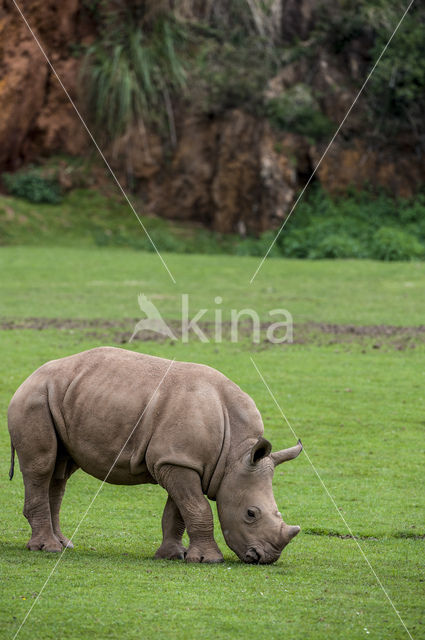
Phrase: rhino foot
(205, 555)
(171, 551)
(65, 542)
(51, 544)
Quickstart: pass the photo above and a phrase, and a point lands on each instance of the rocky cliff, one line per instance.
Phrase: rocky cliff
(228, 168)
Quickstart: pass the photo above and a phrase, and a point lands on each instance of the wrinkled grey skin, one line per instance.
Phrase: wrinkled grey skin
(133, 419)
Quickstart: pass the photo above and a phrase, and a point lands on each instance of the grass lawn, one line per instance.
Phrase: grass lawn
(357, 404)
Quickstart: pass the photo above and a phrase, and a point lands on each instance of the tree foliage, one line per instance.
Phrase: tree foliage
(147, 53)
(395, 94)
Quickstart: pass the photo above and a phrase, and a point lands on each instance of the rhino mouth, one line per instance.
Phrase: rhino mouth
(258, 555)
(252, 556)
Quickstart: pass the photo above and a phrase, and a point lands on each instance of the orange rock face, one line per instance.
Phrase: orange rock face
(22, 87)
(36, 116)
(229, 173)
(357, 165)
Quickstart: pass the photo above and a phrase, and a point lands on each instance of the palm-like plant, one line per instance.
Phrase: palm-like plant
(131, 73)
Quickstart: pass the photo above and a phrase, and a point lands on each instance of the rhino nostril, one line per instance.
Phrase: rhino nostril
(252, 556)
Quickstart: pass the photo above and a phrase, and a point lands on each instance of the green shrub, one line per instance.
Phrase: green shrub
(165, 241)
(251, 246)
(32, 186)
(358, 225)
(337, 246)
(229, 75)
(297, 110)
(396, 92)
(297, 243)
(389, 243)
(412, 211)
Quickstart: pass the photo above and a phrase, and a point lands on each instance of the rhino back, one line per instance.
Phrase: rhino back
(174, 411)
(151, 411)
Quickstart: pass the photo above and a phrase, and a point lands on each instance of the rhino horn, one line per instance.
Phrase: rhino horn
(286, 454)
(292, 531)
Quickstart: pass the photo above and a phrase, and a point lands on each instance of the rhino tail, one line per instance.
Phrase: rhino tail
(12, 461)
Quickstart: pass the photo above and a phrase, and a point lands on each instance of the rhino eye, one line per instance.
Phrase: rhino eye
(252, 514)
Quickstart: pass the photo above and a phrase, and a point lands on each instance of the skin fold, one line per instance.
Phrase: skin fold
(185, 427)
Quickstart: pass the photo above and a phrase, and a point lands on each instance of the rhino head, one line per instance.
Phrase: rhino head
(250, 519)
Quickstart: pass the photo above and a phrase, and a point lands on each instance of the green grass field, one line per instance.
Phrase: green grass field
(356, 399)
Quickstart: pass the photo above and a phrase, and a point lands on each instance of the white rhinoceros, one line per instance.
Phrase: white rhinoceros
(129, 418)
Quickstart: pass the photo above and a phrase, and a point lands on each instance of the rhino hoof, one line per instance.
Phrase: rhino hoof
(51, 545)
(67, 544)
(171, 552)
(206, 557)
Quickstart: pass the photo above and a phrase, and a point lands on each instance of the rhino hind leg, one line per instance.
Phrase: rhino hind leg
(184, 488)
(34, 438)
(63, 469)
(37, 512)
(172, 532)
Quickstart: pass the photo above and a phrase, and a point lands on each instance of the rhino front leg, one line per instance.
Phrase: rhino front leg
(184, 488)
(172, 532)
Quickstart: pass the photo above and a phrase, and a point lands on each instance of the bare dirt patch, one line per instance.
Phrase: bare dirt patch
(120, 331)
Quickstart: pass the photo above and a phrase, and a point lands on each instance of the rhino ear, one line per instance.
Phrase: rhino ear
(261, 449)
